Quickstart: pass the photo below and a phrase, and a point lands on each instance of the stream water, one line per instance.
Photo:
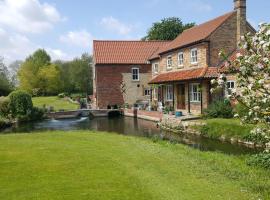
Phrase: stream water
(130, 126)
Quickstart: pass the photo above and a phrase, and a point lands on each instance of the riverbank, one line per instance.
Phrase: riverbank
(225, 130)
(69, 165)
(55, 102)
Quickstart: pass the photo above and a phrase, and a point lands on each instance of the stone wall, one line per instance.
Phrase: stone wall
(202, 59)
(224, 38)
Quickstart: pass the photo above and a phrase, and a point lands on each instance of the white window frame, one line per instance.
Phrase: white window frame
(229, 87)
(181, 61)
(169, 62)
(133, 74)
(194, 56)
(147, 92)
(195, 95)
(169, 93)
(155, 68)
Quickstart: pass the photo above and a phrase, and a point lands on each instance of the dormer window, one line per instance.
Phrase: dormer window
(180, 59)
(169, 62)
(194, 56)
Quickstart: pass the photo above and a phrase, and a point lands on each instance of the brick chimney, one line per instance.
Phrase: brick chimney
(241, 7)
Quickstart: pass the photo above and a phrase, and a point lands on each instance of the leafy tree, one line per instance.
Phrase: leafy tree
(76, 75)
(13, 70)
(252, 68)
(49, 79)
(5, 84)
(167, 29)
(34, 74)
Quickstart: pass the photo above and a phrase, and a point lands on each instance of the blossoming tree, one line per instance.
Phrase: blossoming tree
(252, 70)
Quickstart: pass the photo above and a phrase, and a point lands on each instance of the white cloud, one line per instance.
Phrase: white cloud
(57, 54)
(77, 38)
(18, 47)
(15, 46)
(29, 16)
(113, 24)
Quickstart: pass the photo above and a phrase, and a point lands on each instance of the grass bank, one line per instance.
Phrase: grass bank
(228, 128)
(55, 102)
(101, 166)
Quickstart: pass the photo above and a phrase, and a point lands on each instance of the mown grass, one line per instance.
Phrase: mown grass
(228, 128)
(100, 166)
(55, 102)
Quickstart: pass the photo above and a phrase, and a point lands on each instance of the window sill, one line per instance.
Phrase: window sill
(169, 69)
(195, 102)
(180, 67)
(194, 64)
(135, 80)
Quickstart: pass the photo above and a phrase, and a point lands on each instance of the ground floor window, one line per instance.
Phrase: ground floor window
(147, 92)
(195, 92)
(230, 86)
(169, 92)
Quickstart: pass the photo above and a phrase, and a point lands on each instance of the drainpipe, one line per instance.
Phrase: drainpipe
(173, 97)
(201, 96)
(189, 99)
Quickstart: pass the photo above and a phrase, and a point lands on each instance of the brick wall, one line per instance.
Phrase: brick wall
(108, 81)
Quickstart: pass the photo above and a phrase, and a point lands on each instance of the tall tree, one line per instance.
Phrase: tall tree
(76, 75)
(167, 29)
(30, 70)
(13, 71)
(5, 84)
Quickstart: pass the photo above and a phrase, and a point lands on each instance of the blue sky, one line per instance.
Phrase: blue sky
(66, 28)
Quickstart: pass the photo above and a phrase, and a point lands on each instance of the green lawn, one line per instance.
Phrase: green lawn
(88, 165)
(56, 102)
(215, 128)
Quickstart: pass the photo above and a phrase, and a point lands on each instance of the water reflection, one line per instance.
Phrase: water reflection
(130, 126)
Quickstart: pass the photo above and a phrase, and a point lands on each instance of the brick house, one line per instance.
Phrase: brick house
(182, 70)
(122, 71)
(178, 73)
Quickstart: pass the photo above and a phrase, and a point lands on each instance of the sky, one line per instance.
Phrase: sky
(66, 28)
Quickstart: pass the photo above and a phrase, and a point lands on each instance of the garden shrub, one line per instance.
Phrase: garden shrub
(4, 123)
(34, 115)
(219, 109)
(20, 103)
(260, 160)
(241, 110)
(4, 106)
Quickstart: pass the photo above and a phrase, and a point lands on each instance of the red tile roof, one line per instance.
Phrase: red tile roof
(125, 52)
(184, 75)
(195, 34)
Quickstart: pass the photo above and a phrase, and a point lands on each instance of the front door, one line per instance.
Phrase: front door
(181, 101)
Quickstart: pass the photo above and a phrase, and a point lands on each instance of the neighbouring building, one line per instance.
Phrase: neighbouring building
(178, 72)
(122, 71)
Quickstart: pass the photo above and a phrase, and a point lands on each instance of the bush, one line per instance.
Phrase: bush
(219, 109)
(4, 106)
(4, 123)
(260, 160)
(20, 103)
(37, 114)
(241, 110)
